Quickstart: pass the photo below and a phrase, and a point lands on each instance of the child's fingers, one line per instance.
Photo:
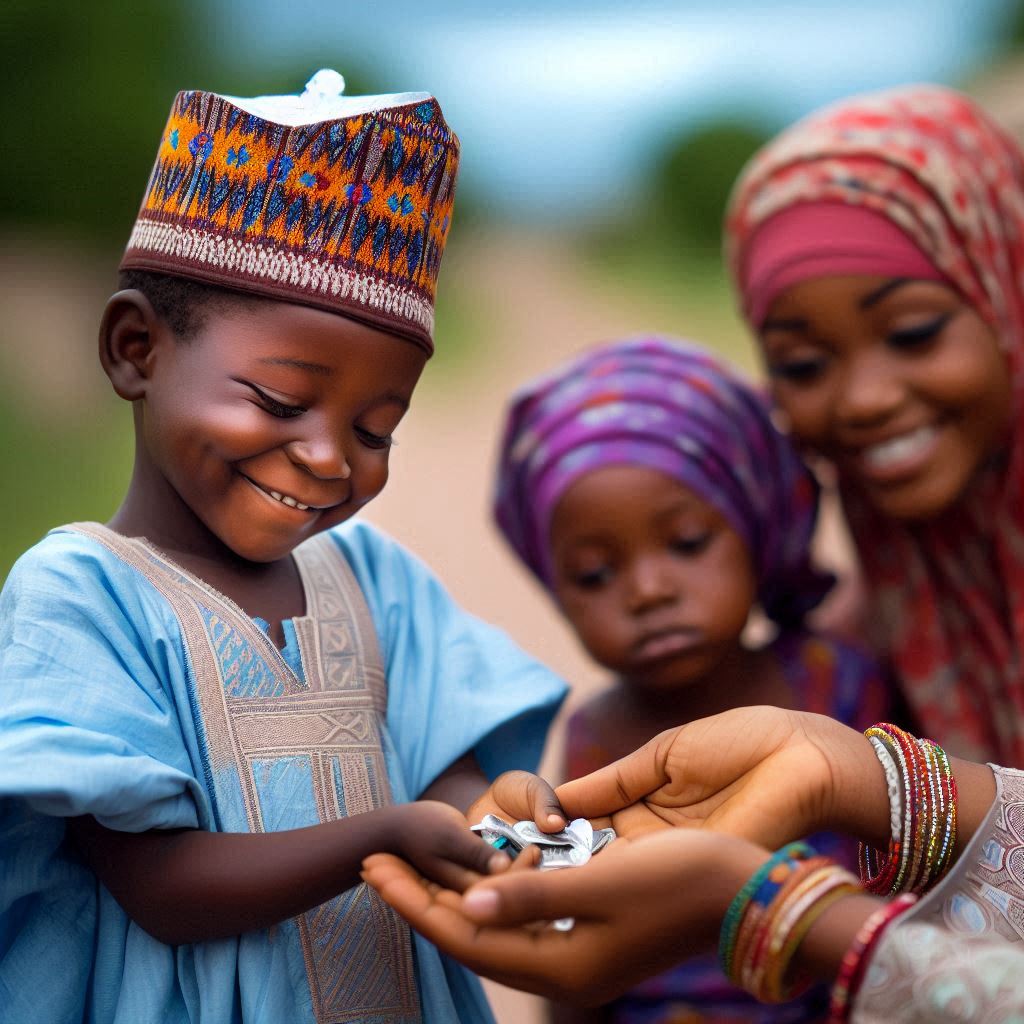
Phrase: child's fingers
(460, 860)
(525, 795)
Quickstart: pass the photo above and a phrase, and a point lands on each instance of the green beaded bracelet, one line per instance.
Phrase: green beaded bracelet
(734, 915)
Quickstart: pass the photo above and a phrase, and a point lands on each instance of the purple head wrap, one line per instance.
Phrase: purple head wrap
(669, 406)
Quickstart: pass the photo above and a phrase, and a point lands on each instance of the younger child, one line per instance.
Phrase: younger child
(647, 489)
(215, 706)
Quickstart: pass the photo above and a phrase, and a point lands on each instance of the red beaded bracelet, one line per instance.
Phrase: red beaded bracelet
(855, 960)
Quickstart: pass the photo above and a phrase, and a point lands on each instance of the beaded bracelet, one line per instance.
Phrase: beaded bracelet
(854, 964)
(765, 882)
(772, 914)
(922, 814)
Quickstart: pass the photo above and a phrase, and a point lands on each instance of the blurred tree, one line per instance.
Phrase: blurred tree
(693, 175)
(1010, 35)
(86, 89)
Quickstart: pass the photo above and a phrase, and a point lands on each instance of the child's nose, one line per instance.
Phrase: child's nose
(322, 455)
(651, 583)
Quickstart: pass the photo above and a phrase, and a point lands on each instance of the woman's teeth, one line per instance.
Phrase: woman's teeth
(900, 449)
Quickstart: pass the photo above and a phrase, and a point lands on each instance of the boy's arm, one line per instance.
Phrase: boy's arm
(188, 885)
(459, 785)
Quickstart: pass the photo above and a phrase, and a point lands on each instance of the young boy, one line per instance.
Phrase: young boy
(220, 702)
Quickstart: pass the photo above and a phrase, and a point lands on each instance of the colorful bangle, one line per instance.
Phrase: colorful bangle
(854, 964)
(772, 914)
(922, 814)
(769, 875)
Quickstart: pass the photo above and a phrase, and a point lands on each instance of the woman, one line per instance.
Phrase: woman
(878, 249)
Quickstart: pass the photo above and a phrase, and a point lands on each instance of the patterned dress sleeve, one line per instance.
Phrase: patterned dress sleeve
(958, 955)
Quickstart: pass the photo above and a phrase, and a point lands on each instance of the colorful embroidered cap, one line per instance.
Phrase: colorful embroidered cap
(342, 203)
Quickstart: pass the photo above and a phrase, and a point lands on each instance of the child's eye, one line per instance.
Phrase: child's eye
(274, 407)
(593, 579)
(691, 544)
(799, 371)
(919, 335)
(375, 441)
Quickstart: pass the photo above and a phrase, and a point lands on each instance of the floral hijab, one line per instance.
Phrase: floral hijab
(947, 598)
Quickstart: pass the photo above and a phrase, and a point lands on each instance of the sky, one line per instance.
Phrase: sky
(561, 105)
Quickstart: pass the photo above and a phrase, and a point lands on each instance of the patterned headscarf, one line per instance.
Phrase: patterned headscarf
(669, 406)
(947, 597)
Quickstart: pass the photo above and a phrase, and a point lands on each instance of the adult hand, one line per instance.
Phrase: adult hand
(639, 907)
(762, 773)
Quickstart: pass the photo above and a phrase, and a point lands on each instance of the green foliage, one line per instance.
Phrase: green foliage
(87, 88)
(1010, 37)
(693, 176)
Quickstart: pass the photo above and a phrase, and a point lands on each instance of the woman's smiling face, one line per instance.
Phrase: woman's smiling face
(899, 382)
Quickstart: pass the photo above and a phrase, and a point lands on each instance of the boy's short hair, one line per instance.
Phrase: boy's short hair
(182, 304)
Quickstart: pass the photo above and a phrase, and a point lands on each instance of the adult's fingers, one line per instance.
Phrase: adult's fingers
(619, 784)
(522, 897)
(512, 956)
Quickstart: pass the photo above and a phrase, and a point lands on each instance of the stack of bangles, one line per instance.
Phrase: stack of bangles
(772, 913)
(922, 814)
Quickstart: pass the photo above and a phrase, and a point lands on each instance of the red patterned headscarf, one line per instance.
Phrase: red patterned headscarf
(947, 598)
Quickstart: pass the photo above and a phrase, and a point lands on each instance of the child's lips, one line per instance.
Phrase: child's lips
(666, 643)
(288, 500)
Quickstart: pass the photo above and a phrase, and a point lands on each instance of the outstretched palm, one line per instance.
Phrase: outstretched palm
(763, 773)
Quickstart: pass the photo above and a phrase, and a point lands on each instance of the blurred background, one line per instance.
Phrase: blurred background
(600, 141)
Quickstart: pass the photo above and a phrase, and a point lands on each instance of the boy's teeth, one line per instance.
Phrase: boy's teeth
(288, 500)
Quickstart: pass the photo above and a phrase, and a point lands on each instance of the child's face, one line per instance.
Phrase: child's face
(656, 584)
(900, 383)
(274, 422)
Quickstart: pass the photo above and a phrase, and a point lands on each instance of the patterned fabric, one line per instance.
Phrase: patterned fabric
(322, 729)
(132, 691)
(947, 597)
(669, 406)
(958, 954)
(826, 677)
(349, 215)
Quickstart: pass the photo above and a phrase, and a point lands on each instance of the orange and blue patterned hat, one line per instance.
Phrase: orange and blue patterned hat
(342, 203)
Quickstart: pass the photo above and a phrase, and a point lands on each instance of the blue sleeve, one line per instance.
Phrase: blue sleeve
(455, 684)
(88, 662)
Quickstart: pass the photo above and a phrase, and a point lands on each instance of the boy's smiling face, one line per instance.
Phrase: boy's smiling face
(271, 424)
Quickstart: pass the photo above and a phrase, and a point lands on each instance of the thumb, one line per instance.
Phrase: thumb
(520, 897)
(529, 796)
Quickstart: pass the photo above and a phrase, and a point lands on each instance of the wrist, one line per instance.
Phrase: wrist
(976, 786)
(860, 794)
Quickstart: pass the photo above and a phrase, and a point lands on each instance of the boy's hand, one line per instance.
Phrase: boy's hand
(520, 796)
(436, 839)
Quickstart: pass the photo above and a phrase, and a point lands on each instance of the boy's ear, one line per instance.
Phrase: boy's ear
(128, 334)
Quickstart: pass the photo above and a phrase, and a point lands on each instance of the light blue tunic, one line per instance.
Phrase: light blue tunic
(98, 713)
